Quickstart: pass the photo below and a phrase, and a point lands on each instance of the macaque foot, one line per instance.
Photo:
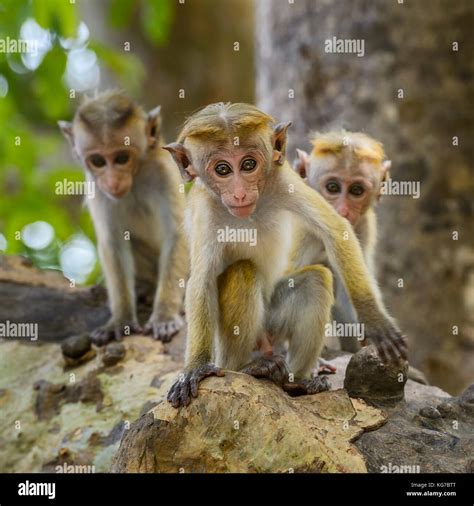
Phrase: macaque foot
(163, 329)
(187, 385)
(323, 367)
(272, 367)
(113, 331)
(307, 386)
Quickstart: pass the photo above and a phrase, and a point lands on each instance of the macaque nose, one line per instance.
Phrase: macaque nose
(343, 210)
(114, 185)
(239, 195)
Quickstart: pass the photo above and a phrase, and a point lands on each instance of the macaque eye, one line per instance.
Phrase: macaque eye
(333, 187)
(223, 169)
(122, 158)
(97, 160)
(356, 190)
(248, 164)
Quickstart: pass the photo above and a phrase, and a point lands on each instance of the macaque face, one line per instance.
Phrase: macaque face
(113, 162)
(237, 176)
(351, 191)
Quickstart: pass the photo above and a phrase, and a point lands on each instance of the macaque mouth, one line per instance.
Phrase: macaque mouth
(118, 194)
(242, 211)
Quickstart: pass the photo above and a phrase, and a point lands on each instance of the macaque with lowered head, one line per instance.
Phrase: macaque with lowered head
(245, 188)
(347, 169)
(137, 211)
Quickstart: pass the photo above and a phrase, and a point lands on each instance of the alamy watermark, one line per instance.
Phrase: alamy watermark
(66, 187)
(228, 234)
(35, 489)
(394, 468)
(8, 45)
(345, 46)
(13, 329)
(391, 187)
(335, 329)
(65, 468)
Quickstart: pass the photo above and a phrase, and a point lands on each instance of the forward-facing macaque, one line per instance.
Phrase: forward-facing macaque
(137, 212)
(245, 188)
(347, 169)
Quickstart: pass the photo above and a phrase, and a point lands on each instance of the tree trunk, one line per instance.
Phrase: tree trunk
(411, 89)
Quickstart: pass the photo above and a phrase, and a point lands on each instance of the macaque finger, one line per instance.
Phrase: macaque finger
(401, 344)
(294, 389)
(186, 393)
(318, 384)
(393, 352)
(174, 395)
(283, 368)
(381, 349)
(194, 387)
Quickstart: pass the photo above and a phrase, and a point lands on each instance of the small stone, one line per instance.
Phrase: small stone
(369, 378)
(76, 346)
(447, 410)
(113, 353)
(430, 412)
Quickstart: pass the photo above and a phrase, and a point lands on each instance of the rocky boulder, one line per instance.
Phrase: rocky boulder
(241, 424)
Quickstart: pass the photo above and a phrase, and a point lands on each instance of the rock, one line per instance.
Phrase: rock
(369, 378)
(113, 353)
(241, 424)
(447, 409)
(49, 398)
(156, 382)
(77, 350)
(76, 346)
(125, 390)
(149, 405)
(28, 294)
(430, 433)
(466, 401)
(113, 437)
(430, 412)
(52, 396)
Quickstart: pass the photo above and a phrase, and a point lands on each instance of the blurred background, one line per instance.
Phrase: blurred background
(412, 90)
(159, 51)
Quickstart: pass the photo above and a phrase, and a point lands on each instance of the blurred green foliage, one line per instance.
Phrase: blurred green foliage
(33, 154)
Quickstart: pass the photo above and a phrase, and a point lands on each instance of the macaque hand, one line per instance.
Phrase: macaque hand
(114, 330)
(391, 345)
(162, 328)
(271, 367)
(187, 386)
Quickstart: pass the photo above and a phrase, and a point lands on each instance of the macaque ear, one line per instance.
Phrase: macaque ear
(279, 141)
(67, 131)
(386, 165)
(153, 127)
(301, 164)
(181, 157)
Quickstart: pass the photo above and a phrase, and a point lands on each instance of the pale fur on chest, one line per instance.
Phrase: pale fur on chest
(271, 250)
(136, 213)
